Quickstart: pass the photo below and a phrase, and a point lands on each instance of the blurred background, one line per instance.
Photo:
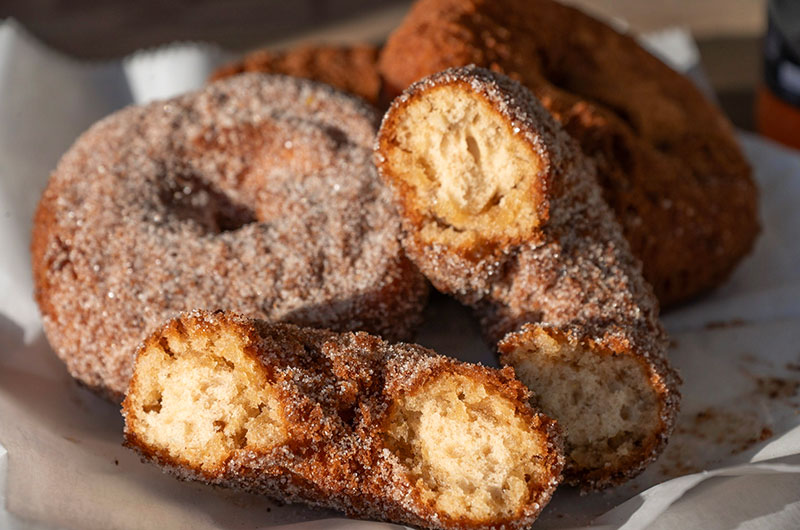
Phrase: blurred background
(728, 32)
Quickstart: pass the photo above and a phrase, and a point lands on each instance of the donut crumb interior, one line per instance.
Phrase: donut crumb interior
(470, 175)
(467, 449)
(604, 402)
(198, 397)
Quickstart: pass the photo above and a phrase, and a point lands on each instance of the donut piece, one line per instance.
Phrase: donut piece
(344, 421)
(256, 194)
(667, 159)
(503, 211)
(353, 68)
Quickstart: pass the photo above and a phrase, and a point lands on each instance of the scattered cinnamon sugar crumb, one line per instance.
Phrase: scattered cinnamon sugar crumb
(709, 435)
(777, 387)
(766, 433)
(733, 432)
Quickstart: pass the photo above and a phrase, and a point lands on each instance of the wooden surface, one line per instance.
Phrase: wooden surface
(728, 32)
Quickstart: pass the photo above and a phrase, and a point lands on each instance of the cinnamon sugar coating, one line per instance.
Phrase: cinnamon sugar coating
(346, 421)
(577, 320)
(353, 68)
(666, 158)
(256, 194)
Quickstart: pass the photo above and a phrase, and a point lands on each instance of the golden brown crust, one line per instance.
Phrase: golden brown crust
(256, 194)
(662, 380)
(336, 393)
(353, 68)
(666, 157)
(481, 246)
(575, 278)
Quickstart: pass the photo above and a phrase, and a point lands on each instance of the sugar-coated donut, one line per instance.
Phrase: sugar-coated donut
(347, 421)
(256, 194)
(667, 159)
(502, 210)
(352, 68)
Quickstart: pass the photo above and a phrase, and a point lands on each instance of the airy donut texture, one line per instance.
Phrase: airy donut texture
(543, 262)
(343, 421)
(256, 194)
(353, 69)
(667, 159)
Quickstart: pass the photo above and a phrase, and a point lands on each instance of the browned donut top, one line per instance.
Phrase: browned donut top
(256, 194)
(353, 69)
(666, 157)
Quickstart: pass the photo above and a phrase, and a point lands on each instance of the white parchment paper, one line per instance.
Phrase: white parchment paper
(734, 461)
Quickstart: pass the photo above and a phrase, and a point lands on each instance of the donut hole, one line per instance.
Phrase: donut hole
(467, 173)
(198, 397)
(192, 199)
(606, 403)
(466, 449)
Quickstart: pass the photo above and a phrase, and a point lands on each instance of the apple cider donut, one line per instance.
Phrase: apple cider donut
(346, 421)
(502, 210)
(353, 68)
(666, 157)
(256, 194)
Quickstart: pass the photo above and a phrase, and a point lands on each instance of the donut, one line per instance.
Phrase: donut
(503, 211)
(666, 158)
(353, 68)
(344, 421)
(256, 194)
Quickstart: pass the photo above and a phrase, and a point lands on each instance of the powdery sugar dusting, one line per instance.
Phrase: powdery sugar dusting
(577, 275)
(256, 194)
(337, 392)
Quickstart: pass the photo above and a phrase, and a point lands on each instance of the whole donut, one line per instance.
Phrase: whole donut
(256, 194)
(666, 157)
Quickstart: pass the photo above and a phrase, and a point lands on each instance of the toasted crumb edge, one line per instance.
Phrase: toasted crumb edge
(199, 395)
(473, 449)
(617, 408)
(523, 178)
